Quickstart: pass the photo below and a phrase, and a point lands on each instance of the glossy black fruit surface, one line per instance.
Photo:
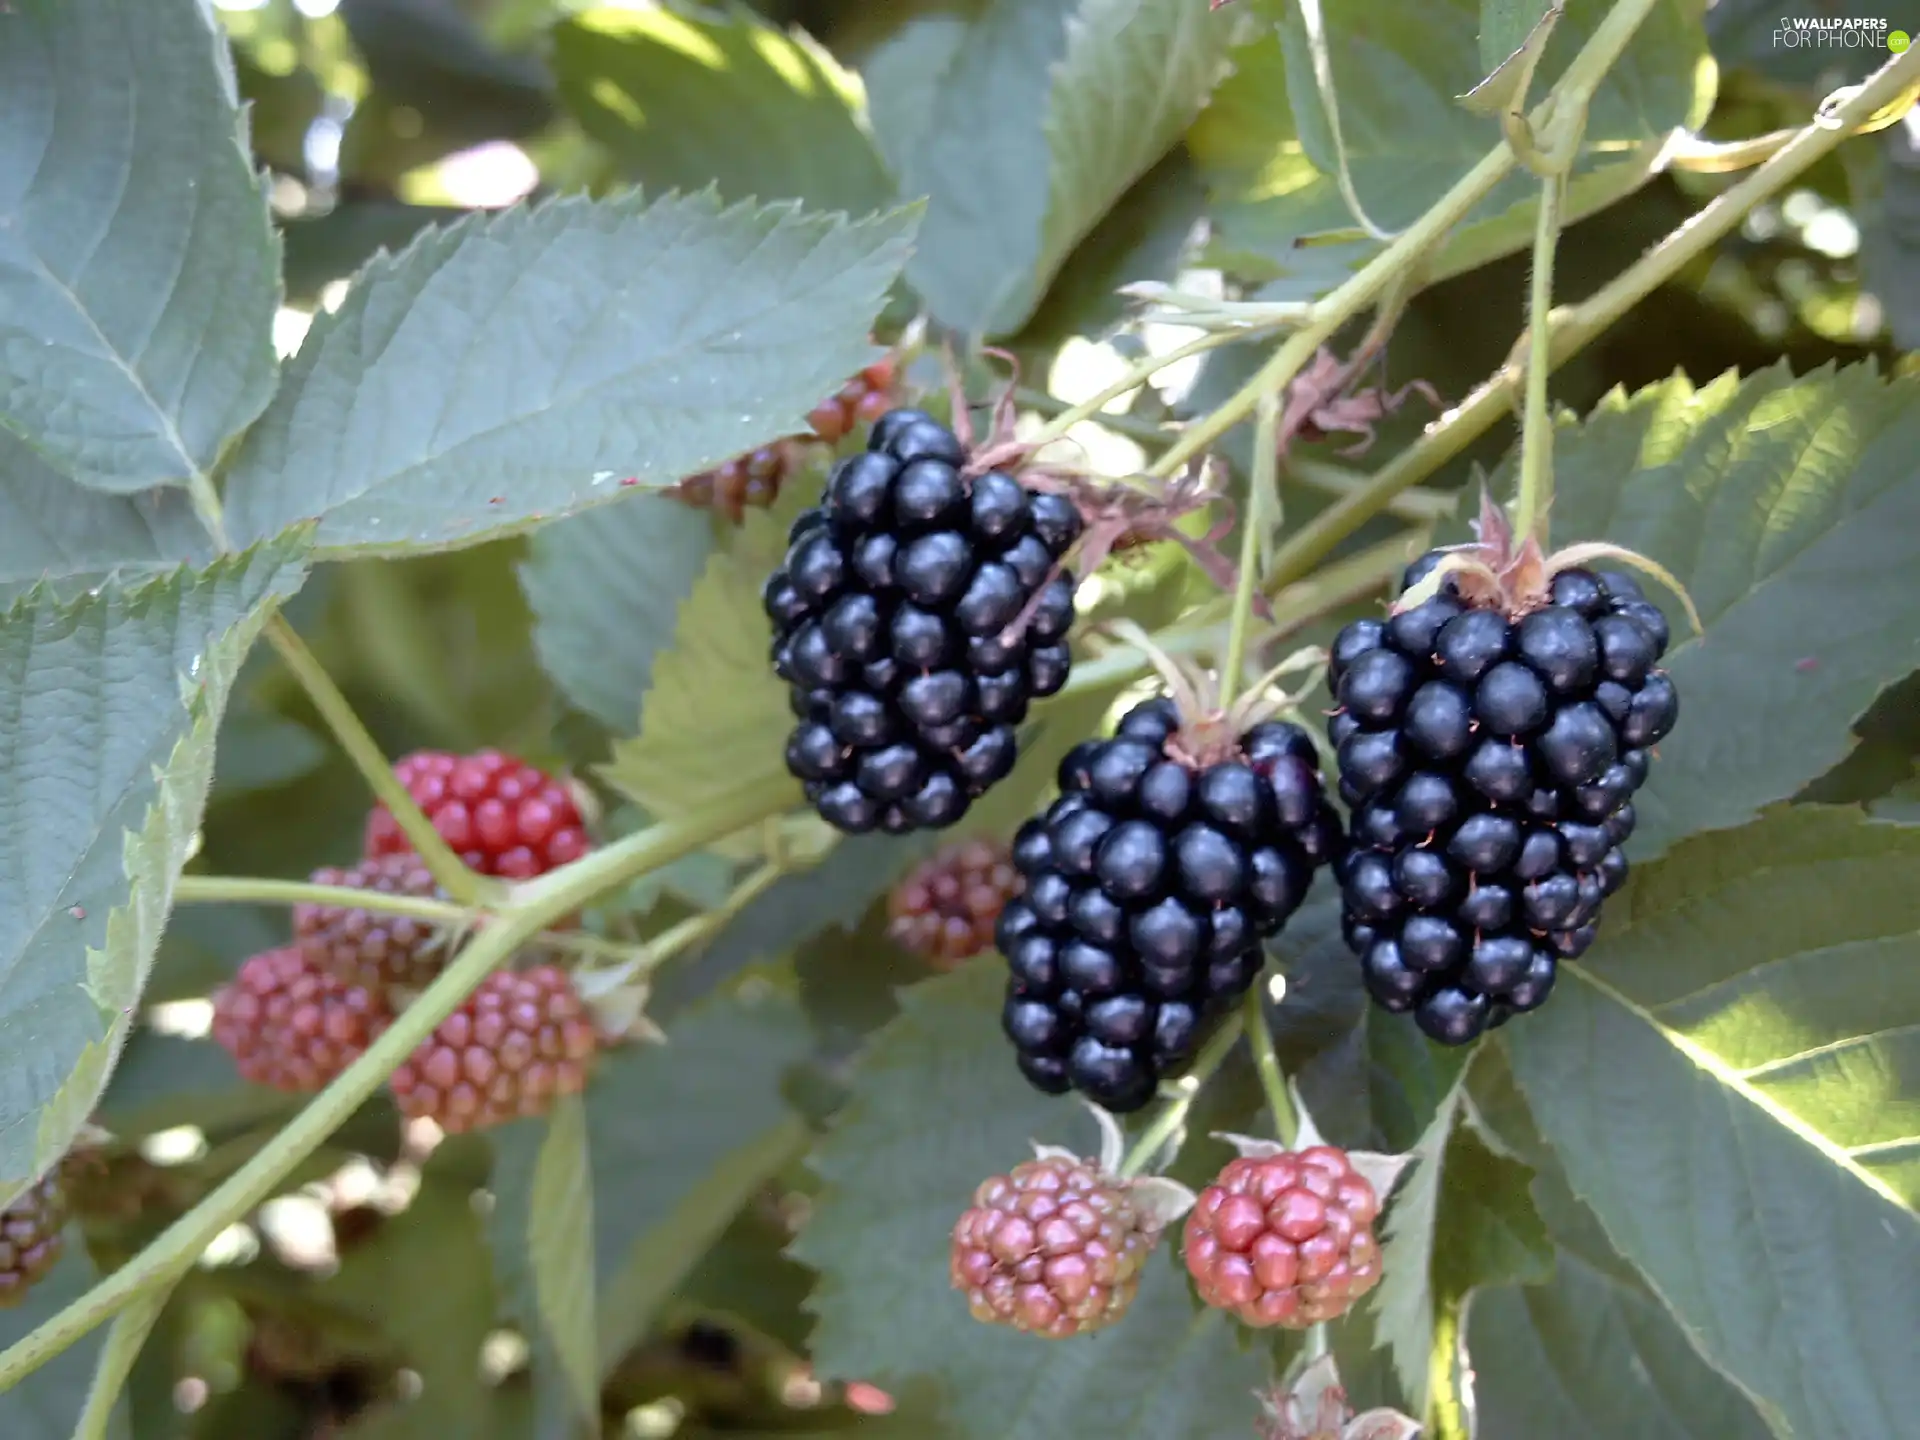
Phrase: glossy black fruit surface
(893, 618)
(1490, 764)
(1150, 885)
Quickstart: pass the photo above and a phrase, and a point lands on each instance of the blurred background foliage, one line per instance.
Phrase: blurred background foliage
(372, 1278)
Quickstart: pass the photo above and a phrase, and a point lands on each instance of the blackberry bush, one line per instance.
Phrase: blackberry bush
(296, 480)
(1174, 850)
(1491, 737)
(920, 610)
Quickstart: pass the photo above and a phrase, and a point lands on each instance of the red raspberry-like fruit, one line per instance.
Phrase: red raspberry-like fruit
(1285, 1239)
(520, 1040)
(499, 814)
(291, 1025)
(372, 948)
(946, 909)
(1054, 1248)
(30, 1236)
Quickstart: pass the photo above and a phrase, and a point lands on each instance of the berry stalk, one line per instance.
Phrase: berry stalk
(1273, 1081)
(536, 906)
(1535, 496)
(448, 872)
(128, 1333)
(1173, 1116)
(1261, 485)
(1136, 376)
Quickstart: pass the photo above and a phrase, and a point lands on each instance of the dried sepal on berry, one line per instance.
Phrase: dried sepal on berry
(1315, 1407)
(1321, 402)
(1513, 575)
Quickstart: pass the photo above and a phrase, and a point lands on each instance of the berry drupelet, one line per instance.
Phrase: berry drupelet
(1490, 740)
(1150, 885)
(919, 609)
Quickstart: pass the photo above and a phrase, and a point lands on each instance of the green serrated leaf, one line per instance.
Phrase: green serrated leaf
(620, 344)
(963, 106)
(1404, 1305)
(45, 1405)
(560, 1250)
(51, 531)
(715, 719)
(1790, 509)
(734, 102)
(1513, 37)
(1590, 1353)
(605, 590)
(139, 272)
(1721, 1079)
(938, 1107)
(106, 755)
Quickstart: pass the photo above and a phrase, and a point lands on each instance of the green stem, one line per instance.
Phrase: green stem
(1535, 498)
(128, 1333)
(1262, 485)
(449, 873)
(1273, 1081)
(1574, 327)
(1136, 376)
(207, 508)
(537, 905)
(1570, 97)
(251, 890)
(1173, 1114)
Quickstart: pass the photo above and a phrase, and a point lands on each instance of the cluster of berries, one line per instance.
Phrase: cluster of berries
(753, 480)
(32, 1236)
(918, 611)
(295, 1017)
(1279, 1239)
(1151, 884)
(1489, 758)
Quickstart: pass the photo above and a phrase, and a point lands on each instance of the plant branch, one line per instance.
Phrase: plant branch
(537, 905)
(1574, 327)
(1273, 1082)
(252, 890)
(1173, 1114)
(448, 872)
(1530, 517)
(1262, 486)
(1136, 376)
(129, 1332)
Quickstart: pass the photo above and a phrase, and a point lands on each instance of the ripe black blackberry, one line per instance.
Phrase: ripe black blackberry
(1490, 738)
(920, 608)
(1172, 853)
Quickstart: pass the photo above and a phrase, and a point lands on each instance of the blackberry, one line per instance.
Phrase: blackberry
(1150, 885)
(1490, 744)
(293, 1026)
(918, 611)
(1285, 1239)
(1054, 1248)
(373, 949)
(31, 1236)
(946, 909)
(522, 1039)
(500, 815)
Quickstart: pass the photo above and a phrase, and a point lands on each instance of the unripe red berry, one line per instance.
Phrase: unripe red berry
(498, 814)
(373, 948)
(291, 1025)
(946, 908)
(521, 1040)
(1285, 1239)
(30, 1236)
